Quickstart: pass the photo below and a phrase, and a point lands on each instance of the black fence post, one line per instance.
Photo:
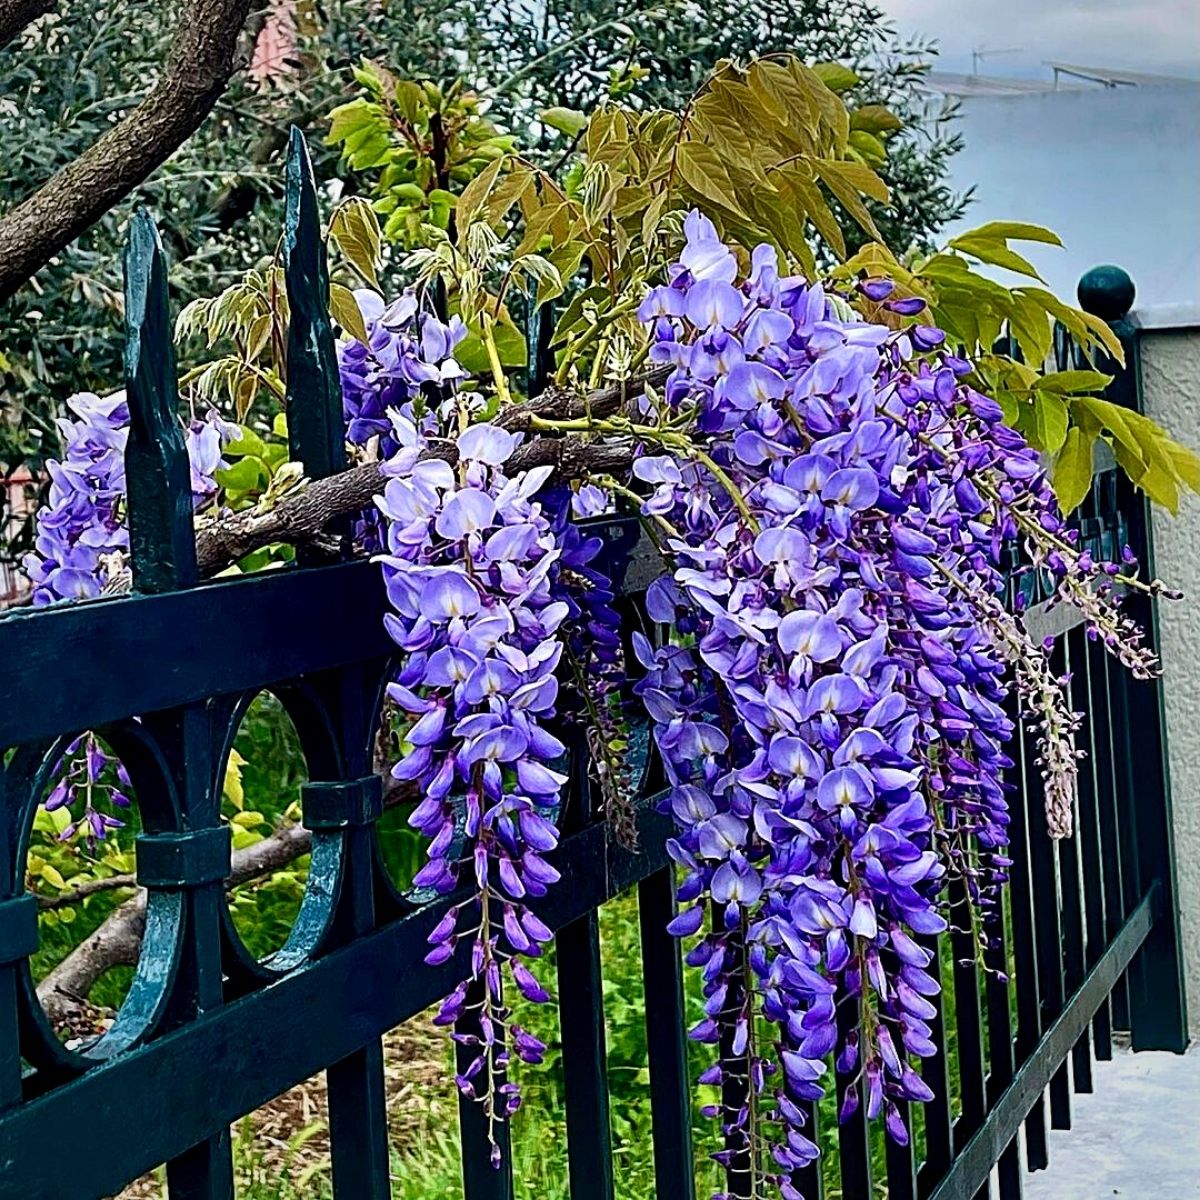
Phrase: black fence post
(350, 805)
(1158, 1009)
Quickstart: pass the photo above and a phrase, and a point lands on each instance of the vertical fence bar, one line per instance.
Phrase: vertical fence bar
(1109, 836)
(666, 1039)
(18, 938)
(1001, 1061)
(163, 558)
(900, 1161)
(355, 1086)
(1084, 699)
(854, 1143)
(735, 1084)
(935, 1070)
(585, 1063)
(971, 1079)
(205, 1171)
(1027, 798)
(581, 1021)
(1086, 884)
(1158, 1008)
(1072, 925)
(1046, 897)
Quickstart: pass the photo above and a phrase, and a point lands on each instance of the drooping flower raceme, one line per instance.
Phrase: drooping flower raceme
(829, 707)
(470, 556)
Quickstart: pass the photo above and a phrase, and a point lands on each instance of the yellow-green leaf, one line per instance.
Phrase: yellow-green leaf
(1072, 476)
(1070, 382)
(996, 252)
(705, 173)
(566, 120)
(835, 76)
(874, 118)
(1021, 231)
(1050, 421)
(355, 229)
(345, 311)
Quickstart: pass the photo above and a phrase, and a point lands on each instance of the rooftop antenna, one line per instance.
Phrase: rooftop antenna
(980, 53)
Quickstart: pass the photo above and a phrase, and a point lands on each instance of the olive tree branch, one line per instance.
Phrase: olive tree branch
(203, 58)
(17, 15)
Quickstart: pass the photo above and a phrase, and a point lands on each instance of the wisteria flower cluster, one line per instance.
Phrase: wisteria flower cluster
(408, 355)
(469, 563)
(829, 705)
(87, 774)
(82, 537)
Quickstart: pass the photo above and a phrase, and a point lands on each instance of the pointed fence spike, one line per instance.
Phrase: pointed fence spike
(162, 543)
(314, 397)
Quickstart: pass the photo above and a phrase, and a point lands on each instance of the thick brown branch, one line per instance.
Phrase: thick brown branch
(203, 58)
(303, 516)
(17, 15)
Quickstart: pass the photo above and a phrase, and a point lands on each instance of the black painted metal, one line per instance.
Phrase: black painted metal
(198, 1042)
(662, 973)
(973, 1164)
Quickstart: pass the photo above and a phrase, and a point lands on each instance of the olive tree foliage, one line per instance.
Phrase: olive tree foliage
(67, 79)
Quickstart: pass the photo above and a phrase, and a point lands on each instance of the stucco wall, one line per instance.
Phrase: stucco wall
(1171, 389)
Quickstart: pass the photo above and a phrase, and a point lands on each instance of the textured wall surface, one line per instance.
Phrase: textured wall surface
(1171, 387)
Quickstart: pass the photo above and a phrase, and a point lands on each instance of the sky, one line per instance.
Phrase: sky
(1158, 36)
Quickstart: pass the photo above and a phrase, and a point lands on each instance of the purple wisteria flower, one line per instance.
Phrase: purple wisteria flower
(82, 537)
(830, 696)
(469, 567)
(407, 350)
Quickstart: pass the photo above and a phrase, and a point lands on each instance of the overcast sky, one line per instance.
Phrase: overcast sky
(1160, 36)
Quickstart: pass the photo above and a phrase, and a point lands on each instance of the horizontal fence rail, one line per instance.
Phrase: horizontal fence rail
(1087, 944)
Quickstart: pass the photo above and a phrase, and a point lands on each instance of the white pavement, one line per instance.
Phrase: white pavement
(1137, 1136)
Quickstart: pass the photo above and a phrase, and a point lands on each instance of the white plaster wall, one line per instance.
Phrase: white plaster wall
(1171, 389)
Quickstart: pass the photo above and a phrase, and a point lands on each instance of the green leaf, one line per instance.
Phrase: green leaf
(996, 252)
(835, 76)
(471, 353)
(1020, 231)
(245, 474)
(1072, 477)
(705, 173)
(247, 442)
(470, 203)
(1070, 382)
(345, 311)
(874, 118)
(1050, 421)
(355, 228)
(566, 120)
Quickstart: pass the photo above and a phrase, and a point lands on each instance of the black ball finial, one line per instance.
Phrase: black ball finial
(1106, 292)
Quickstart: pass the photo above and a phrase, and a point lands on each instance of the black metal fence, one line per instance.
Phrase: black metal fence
(1090, 941)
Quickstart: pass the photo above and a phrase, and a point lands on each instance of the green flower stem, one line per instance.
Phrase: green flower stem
(499, 379)
(669, 439)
